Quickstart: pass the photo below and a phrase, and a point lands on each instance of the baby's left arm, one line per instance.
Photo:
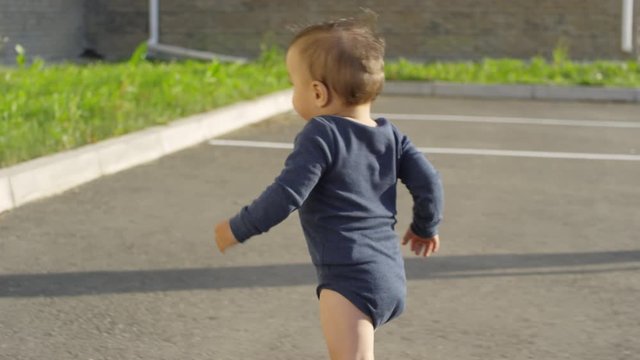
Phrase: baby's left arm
(421, 245)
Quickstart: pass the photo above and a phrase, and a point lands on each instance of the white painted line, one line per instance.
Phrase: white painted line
(531, 154)
(251, 144)
(510, 120)
(452, 151)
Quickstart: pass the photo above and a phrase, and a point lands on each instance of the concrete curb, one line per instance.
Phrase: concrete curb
(529, 92)
(51, 175)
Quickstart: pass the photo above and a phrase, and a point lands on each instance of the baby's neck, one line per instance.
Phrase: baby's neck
(360, 113)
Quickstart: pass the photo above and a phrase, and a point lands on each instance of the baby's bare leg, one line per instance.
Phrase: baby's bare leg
(348, 332)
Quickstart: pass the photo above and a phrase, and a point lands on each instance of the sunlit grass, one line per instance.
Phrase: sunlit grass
(558, 71)
(46, 109)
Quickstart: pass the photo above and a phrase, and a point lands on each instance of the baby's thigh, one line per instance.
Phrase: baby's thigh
(349, 333)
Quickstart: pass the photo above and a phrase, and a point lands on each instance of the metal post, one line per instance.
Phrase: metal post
(627, 25)
(154, 10)
(155, 46)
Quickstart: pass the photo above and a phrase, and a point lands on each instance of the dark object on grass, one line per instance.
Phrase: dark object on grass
(91, 54)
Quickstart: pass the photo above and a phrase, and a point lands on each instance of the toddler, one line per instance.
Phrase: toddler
(341, 176)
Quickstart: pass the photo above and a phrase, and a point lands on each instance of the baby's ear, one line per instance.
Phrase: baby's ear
(321, 93)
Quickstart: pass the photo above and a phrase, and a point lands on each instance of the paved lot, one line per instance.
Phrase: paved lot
(540, 256)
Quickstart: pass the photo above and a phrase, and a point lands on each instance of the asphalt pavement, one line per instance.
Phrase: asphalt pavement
(540, 254)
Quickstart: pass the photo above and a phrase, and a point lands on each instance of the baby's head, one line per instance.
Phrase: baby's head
(335, 64)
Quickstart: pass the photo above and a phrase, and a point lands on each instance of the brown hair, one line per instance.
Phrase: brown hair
(346, 55)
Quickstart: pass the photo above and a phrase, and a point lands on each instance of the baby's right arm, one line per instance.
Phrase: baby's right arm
(303, 169)
(423, 182)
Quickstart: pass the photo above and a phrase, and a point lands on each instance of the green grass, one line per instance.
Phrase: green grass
(46, 109)
(559, 71)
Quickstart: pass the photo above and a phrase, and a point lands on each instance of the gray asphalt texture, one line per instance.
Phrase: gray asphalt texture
(540, 257)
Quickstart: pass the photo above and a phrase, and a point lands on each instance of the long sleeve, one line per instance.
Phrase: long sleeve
(425, 186)
(303, 168)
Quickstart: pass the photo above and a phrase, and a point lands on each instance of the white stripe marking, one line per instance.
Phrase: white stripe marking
(252, 144)
(510, 120)
(453, 151)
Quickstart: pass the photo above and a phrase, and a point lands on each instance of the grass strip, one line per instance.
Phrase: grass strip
(47, 109)
(560, 70)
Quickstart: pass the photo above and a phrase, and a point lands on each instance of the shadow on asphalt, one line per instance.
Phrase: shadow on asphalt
(437, 267)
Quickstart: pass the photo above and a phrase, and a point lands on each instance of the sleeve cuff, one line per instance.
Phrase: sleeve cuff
(425, 232)
(238, 228)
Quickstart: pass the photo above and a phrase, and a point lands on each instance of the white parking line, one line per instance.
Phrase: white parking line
(452, 151)
(251, 144)
(510, 120)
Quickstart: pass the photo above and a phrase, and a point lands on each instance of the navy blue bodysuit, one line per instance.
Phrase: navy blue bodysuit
(342, 177)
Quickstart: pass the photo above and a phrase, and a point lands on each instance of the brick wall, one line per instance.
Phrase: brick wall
(51, 29)
(114, 28)
(419, 29)
(416, 29)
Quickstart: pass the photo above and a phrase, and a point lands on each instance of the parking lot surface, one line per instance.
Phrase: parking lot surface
(540, 254)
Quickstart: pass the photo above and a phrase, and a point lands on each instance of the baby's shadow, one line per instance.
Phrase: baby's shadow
(281, 275)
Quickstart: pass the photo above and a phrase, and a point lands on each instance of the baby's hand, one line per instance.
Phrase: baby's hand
(224, 236)
(426, 246)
